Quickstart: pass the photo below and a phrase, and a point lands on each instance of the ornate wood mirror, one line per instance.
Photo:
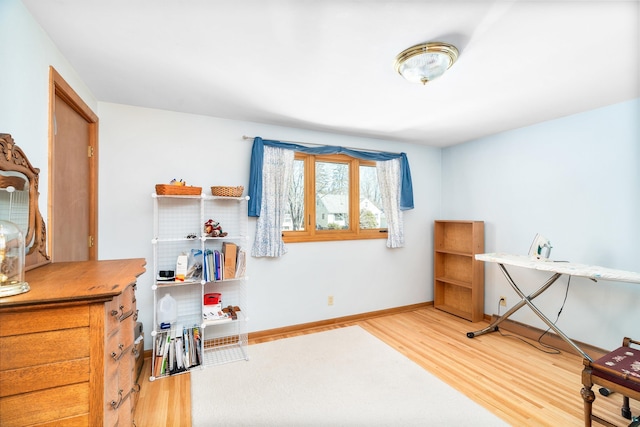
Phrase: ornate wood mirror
(19, 200)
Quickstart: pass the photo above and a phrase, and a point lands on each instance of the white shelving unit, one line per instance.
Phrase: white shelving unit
(178, 228)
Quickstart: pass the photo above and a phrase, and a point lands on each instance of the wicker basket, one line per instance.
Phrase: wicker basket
(227, 191)
(177, 190)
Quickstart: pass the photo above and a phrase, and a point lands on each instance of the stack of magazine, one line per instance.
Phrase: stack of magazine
(177, 350)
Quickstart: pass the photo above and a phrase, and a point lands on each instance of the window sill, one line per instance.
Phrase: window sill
(333, 236)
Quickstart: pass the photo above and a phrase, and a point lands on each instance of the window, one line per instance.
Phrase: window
(333, 197)
(284, 217)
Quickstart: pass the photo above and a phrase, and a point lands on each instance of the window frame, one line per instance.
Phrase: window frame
(354, 232)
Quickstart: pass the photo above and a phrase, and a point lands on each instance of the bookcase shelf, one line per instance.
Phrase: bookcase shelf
(221, 270)
(454, 282)
(458, 277)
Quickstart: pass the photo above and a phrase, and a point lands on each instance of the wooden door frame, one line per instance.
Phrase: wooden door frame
(59, 87)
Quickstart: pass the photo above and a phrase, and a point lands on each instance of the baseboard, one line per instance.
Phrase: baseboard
(512, 326)
(550, 338)
(258, 336)
(269, 334)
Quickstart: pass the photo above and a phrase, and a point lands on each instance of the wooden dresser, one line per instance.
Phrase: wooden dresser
(66, 346)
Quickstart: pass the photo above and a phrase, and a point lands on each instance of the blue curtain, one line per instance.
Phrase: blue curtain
(255, 173)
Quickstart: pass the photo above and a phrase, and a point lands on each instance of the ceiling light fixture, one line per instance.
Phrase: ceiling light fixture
(426, 61)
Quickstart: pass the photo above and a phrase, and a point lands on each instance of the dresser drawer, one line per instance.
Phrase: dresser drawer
(42, 348)
(69, 403)
(21, 322)
(40, 377)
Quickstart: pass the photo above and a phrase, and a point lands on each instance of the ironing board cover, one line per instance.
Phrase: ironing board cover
(570, 268)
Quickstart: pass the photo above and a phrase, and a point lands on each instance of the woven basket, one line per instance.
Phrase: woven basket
(177, 190)
(227, 191)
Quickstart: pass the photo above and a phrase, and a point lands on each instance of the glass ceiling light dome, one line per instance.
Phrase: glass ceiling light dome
(426, 61)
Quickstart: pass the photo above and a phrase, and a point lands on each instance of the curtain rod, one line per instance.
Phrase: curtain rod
(320, 145)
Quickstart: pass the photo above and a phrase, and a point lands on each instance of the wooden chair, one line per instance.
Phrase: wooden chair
(618, 371)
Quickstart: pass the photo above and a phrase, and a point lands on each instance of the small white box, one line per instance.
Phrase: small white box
(181, 267)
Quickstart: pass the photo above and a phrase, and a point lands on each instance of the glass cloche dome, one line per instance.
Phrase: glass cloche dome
(11, 260)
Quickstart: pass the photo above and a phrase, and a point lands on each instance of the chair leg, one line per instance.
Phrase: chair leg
(588, 396)
(625, 410)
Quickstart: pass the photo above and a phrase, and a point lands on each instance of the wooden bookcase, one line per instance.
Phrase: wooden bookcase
(458, 277)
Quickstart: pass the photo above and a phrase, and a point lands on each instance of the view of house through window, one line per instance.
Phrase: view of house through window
(333, 197)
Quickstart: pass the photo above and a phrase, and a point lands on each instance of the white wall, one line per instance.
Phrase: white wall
(142, 147)
(576, 181)
(26, 52)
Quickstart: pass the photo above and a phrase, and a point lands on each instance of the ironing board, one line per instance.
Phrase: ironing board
(558, 268)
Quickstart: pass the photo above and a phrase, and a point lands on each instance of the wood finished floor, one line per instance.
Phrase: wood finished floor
(518, 383)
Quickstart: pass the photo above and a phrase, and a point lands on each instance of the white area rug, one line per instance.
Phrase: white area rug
(342, 377)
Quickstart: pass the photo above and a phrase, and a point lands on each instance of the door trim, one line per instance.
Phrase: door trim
(59, 87)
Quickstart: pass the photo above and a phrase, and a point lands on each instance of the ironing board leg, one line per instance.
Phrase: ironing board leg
(494, 325)
(527, 300)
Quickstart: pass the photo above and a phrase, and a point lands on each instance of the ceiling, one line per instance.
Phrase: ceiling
(327, 65)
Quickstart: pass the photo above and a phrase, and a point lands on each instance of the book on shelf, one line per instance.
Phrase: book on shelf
(165, 353)
(187, 352)
(218, 265)
(208, 265)
(179, 365)
(159, 355)
(241, 264)
(190, 351)
(191, 347)
(230, 254)
(172, 353)
(197, 342)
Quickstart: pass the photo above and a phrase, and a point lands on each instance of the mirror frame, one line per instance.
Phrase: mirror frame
(12, 158)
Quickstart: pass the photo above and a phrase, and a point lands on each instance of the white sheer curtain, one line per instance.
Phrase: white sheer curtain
(389, 182)
(276, 177)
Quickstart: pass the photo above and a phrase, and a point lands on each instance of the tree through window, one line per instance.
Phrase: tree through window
(333, 197)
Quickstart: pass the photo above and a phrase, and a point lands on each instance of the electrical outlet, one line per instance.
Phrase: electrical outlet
(503, 301)
(330, 300)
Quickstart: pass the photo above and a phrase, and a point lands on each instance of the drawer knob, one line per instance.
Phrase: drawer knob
(118, 314)
(116, 356)
(116, 405)
(121, 315)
